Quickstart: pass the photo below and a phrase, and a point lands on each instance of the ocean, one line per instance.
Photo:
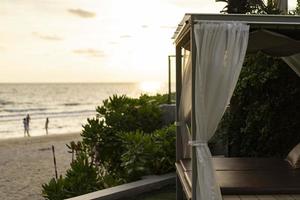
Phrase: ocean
(66, 105)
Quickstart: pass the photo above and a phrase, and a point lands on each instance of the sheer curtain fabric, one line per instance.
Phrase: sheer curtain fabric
(294, 62)
(220, 52)
(186, 104)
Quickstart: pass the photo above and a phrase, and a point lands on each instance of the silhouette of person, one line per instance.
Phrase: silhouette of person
(27, 124)
(46, 125)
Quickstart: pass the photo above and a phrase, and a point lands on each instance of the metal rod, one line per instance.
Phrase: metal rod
(169, 64)
(54, 160)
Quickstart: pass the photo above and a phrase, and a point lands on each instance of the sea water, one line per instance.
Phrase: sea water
(66, 105)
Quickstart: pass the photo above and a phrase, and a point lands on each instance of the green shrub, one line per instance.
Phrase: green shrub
(126, 140)
(125, 114)
(149, 153)
(102, 135)
(138, 149)
(104, 142)
(55, 189)
(164, 150)
(80, 179)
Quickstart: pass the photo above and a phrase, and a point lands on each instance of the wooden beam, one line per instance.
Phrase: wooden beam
(179, 149)
(169, 79)
(193, 128)
(179, 193)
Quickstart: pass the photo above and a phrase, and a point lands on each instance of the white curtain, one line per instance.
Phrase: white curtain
(220, 52)
(294, 62)
(282, 5)
(186, 103)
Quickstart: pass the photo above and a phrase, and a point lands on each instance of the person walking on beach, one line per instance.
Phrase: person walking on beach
(27, 124)
(46, 125)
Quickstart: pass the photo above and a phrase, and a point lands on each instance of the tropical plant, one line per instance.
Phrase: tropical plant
(118, 115)
(137, 155)
(81, 178)
(55, 189)
(126, 140)
(263, 118)
(127, 114)
(164, 150)
(250, 7)
(149, 153)
(297, 9)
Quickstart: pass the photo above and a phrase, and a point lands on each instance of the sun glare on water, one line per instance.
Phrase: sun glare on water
(150, 87)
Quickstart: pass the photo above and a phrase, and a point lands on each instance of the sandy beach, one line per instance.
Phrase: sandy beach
(27, 163)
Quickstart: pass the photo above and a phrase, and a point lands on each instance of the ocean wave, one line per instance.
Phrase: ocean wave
(24, 110)
(71, 104)
(4, 103)
(6, 131)
(42, 115)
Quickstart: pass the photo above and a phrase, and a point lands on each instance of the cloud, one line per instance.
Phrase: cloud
(190, 2)
(125, 36)
(89, 52)
(82, 13)
(168, 27)
(2, 49)
(47, 37)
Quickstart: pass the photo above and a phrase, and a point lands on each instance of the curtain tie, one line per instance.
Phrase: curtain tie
(197, 143)
(178, 123)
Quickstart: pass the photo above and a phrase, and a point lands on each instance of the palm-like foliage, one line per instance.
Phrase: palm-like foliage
(250, 7)
(297, 10)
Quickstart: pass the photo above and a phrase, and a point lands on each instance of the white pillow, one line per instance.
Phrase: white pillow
(294, 157)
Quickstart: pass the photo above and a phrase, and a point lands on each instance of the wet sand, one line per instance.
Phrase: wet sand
(27, 163)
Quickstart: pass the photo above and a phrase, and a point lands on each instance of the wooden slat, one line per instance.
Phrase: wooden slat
(295, 196)
(265, 197)
(248, 197)
(283, 197)
(188, 177)
(231, 197)
(186, 164)
(185, 186)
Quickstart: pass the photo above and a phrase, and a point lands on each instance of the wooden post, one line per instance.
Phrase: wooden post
(179, 190)
(194, 160)
(169, 64)
(54, 160)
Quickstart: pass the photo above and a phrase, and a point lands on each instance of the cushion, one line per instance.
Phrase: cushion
(294, 157)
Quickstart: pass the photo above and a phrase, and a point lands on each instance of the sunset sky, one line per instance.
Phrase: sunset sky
(91, 40)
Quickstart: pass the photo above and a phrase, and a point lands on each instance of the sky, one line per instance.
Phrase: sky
(91, 40)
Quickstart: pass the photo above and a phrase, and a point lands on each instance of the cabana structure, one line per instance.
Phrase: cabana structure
(210, 50)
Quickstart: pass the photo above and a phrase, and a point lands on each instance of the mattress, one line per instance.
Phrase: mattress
(250, 176)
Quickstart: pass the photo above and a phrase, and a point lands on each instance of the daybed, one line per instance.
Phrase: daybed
(210, 51)
(251, 176)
